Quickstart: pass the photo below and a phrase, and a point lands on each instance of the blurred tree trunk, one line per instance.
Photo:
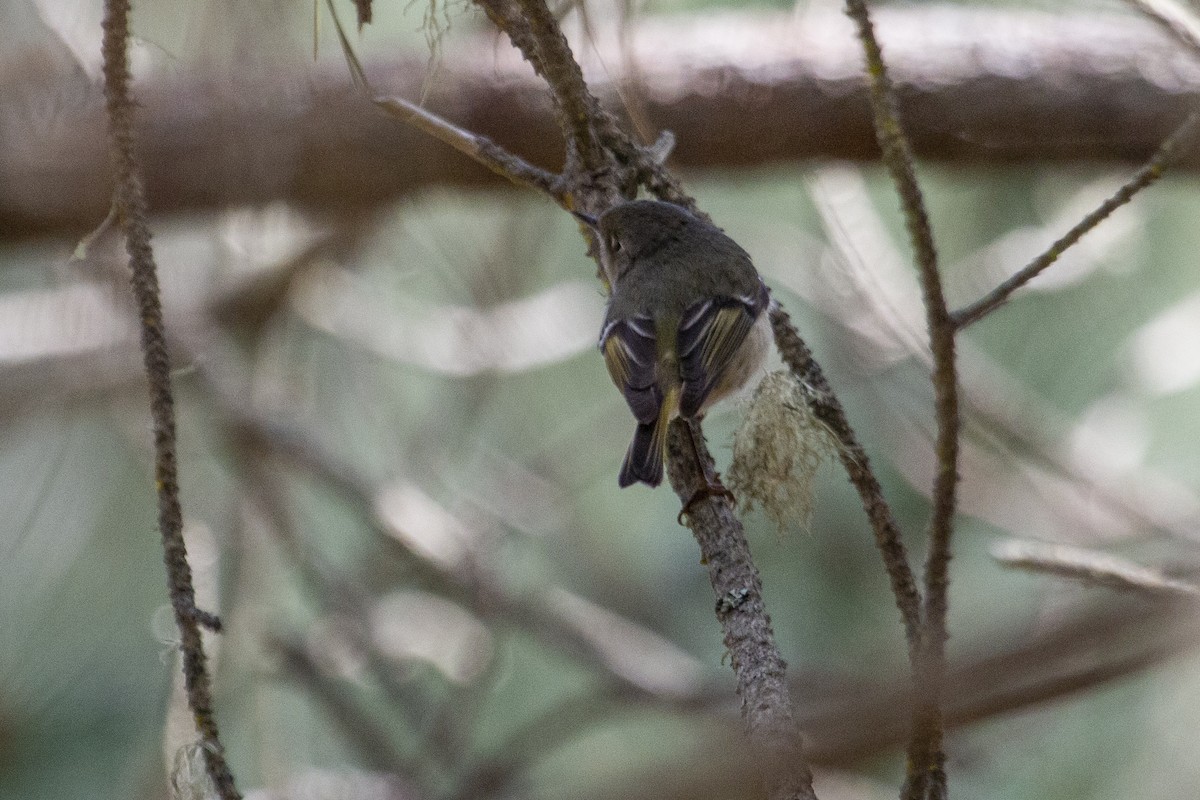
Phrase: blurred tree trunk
(979, 87)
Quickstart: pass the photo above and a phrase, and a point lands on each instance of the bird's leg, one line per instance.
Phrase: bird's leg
(710, 480)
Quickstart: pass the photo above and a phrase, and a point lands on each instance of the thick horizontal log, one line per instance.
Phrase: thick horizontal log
(978, 87)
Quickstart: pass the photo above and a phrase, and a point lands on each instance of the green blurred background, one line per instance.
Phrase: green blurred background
(440, 357)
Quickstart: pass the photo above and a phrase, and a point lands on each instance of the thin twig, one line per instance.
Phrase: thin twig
(1090, 566)
(477, 147)
(480, 148)
(757, 663)
(1153, 170)
(926, 763)
(130, 203)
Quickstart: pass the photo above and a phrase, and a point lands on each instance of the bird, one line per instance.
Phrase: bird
(685, 324)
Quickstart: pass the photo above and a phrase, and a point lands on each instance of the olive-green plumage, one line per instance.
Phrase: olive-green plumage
(685, 324)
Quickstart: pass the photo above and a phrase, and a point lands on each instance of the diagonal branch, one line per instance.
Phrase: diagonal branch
(475, 146)
(602, 158)
(1184, 28)
(574, 101)
(533, 30)
(1171, 149)
(507, 16)
(828, 409)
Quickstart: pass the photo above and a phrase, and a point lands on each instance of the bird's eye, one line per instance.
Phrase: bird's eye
(614, 244)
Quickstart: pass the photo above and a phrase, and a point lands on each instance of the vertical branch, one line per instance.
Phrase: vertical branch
(926, 767)
(757, 663)
(130, 204)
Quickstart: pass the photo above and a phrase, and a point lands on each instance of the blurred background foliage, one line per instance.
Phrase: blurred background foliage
(399, 452)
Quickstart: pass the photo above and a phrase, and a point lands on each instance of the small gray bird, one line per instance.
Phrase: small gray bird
(685, 324)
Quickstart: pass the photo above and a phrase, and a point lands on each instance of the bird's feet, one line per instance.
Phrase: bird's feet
(711, 487)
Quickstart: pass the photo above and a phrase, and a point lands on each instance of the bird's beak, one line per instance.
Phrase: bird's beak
(587, 219)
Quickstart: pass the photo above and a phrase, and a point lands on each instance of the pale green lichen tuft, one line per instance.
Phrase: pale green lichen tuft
(189, 778)
(777, 452)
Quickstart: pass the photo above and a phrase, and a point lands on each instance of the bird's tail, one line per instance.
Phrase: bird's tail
(644, 459)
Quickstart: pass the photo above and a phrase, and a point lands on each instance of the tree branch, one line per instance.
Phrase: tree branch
(130, 205)
(926, 756)
(575, 104)
(828, 409)
(760, 669)
(1183, 27)
(1096, 88)
(1174, 147)
(480, 148)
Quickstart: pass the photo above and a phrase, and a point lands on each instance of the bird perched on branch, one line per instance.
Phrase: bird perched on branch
(685, 324)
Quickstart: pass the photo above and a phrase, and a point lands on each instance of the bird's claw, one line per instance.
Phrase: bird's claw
(710, 488)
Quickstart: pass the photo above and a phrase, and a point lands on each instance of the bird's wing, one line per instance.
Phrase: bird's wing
(710, 335)
(630, 351)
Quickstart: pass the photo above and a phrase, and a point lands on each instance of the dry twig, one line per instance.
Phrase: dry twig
(828, 409)
(1090, 566)
(130, 204)
(474, 146)
(1183, 26)
(1170, 150)
(926, 756)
